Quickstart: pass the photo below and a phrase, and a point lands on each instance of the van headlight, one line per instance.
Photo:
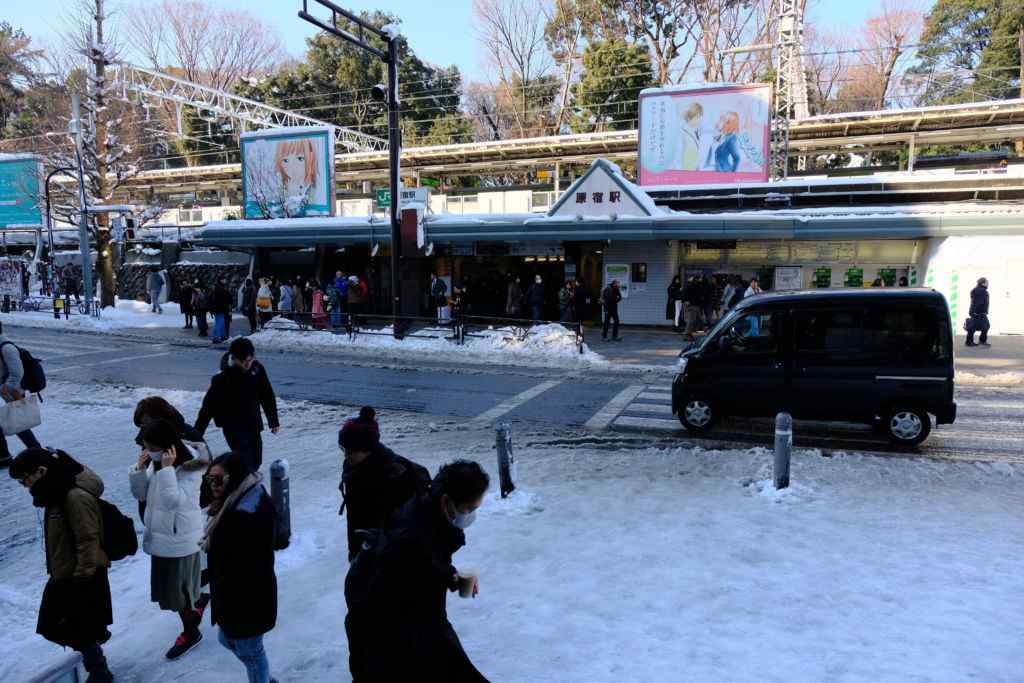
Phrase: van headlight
(681, 365)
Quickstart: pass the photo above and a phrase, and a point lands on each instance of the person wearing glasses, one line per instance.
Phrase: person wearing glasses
(75, 610)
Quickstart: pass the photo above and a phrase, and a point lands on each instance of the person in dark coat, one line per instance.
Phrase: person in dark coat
(610, 297)
(249, 303)
(234, 399)
(581, 300)
(75, 610)
(674, 302)
(398, 628)
(185, 299)
(535, 298)
(200, 305)
(979, 314)
(221, 307)
(239, 543)
(375, 481)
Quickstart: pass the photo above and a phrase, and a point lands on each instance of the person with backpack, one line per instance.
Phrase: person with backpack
(239, 542)
(234, 399)
(167, 478)
(375, 481)
(19, 372)
(397, 586)
(75, 609)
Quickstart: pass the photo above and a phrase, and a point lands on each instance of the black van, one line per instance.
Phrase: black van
(877, 356)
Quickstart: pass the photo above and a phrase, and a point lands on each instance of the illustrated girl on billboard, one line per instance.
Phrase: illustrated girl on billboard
(725, 154)
(297, 164)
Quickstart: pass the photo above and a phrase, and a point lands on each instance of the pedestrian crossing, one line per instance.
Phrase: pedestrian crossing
(651, 409)
(54, 349)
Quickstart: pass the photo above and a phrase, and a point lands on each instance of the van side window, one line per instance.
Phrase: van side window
(753, 334)
(833, 333)
(912, 335)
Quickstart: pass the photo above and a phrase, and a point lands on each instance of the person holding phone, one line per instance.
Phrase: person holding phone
(167, 477)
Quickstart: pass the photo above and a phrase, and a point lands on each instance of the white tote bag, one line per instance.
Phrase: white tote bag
(17, 416)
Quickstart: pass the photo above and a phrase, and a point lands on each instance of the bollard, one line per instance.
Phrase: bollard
(783, 448)
(506, 461)
(279, 492)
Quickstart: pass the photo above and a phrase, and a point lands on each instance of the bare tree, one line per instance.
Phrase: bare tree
(670, 29)
(885, 43)
(725, 24)
(827, 62)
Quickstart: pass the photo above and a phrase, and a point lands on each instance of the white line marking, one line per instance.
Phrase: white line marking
(511, 404)
(614, 407)
(107, 362)
(656, 396)
(660, 408)
(648, 423)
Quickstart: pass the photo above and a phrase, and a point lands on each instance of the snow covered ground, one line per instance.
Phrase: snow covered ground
(550, 345)
(127, 313)
(608, 564)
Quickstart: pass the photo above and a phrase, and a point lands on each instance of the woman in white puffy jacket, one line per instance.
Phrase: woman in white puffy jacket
(167, 478)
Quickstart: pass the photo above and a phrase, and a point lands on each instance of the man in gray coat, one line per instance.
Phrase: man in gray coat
(155, 283)
(11, 371)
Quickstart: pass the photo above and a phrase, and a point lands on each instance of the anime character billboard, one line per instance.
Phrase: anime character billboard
(288, 172)
(708, 135)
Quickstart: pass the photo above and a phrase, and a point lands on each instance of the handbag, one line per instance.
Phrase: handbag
(21, 415)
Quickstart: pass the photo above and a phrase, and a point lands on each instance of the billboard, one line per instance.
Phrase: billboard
(715, 134)
(20, 182)
(288, 172)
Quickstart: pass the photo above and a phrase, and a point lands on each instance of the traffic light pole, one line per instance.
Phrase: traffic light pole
(394, 133)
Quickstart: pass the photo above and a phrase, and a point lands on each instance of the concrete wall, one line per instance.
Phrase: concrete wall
(646, 307)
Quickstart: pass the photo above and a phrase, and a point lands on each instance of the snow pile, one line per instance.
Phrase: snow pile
(550, 345)
(126, 314)
(1004, 379)
(659, 553)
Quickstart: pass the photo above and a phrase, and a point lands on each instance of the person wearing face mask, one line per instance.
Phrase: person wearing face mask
(75, 610)
(535, 298)
(167, 477)
(409, 637)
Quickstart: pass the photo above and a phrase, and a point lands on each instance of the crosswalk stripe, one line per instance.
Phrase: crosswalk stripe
(125, 359)
(660, 408)
(614, 407)
(511, 404)
(656, 396)
(647, 423)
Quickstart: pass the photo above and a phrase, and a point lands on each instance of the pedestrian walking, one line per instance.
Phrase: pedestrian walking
(234, 401)
(155, 284)
(535, 298)
(167, 478)
(707, 296)
(674, 302)
(12, 372)
(200, 305)
(978, 321)
(319, 314)
(396, 590)
(610, 298)
(375, 481)
(239, 543)
(185, 299)
(70, 283)
(691, 306)
(581, 301)
(249, 303)
(264, 302)
(439, 295)
(514, 297)
(298, 302)
(357, 294)
(285, 299)
(565, 300)
(221, 311)
(75, 610)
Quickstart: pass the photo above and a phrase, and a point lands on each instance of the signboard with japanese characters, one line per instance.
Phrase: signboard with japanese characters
(602, 192)
(620, 272)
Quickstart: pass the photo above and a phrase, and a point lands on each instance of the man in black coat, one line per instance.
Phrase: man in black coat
(234, 399)
(397, 590)
(375, 481)
(610, 297)
(979, 314)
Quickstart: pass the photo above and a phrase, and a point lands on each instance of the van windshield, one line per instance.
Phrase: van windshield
(722, 324)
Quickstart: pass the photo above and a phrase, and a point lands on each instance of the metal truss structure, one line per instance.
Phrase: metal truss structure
(790, 84)
(146, 83)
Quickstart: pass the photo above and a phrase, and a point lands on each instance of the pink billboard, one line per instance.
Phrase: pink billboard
(700, 136)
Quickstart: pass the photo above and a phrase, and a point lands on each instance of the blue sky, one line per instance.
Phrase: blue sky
(439, 30)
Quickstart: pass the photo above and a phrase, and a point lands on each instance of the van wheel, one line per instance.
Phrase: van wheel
(698, 415)
(907, 426)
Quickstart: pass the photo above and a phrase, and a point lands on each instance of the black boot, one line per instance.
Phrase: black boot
(96, 665)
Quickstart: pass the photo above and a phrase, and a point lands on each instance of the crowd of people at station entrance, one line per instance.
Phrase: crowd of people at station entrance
(211, 531)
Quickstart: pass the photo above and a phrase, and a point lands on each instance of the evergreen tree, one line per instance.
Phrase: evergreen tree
(607, 94)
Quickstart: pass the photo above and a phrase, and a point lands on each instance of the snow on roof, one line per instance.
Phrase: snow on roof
(114, 208)
(6, 156)
(286, 130)
(391, 30)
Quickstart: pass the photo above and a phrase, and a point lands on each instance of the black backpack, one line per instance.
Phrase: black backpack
(119, 540)
(33, 378)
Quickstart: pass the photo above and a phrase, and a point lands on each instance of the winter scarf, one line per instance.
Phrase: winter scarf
(53, 488)
(216, 513)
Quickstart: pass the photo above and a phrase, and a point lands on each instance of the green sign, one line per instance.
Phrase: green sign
(384, 198)
(19, 187)
(822, 278)
(430, 182)
(888, 276)
(854, 277)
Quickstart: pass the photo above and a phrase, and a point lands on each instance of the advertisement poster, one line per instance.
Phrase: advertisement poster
(620, 272)
(788, 278)
(702, 136)
(19, 187)
(10, 278)
(288, 172)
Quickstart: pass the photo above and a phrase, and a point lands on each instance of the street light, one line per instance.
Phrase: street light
(380, 92)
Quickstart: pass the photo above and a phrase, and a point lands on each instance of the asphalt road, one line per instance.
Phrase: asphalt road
(571, 404)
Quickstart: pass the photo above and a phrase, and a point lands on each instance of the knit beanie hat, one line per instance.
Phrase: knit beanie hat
(360, 433)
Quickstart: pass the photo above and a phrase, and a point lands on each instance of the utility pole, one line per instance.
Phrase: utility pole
(83, 206)
(390, 58)
(1018, 144)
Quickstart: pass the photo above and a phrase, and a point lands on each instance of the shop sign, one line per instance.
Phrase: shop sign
(620, 272)
(823, 278)
(536, 249)
(854, 277)
(384, 198)
(430, 182)
(462, 249)
(888, 276)
(602, 192)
